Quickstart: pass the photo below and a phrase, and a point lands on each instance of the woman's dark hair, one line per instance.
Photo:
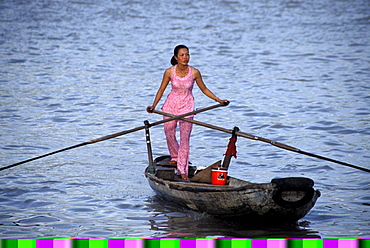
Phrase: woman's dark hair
(175, 52)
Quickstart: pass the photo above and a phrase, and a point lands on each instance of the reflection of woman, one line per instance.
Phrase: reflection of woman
(180, 101)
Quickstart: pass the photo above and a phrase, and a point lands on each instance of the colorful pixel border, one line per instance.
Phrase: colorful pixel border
(185, 243)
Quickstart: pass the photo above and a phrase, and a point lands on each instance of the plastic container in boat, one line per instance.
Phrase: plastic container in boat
(219, 175)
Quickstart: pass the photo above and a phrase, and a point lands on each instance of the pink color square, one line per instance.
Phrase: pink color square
(62, 243)
(205, 243)
(134, 243)
(347, 243)
(276, 243)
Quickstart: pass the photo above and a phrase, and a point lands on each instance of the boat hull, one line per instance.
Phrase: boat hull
(271, 201)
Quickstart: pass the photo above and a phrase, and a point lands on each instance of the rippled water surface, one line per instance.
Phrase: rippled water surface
(71, 71)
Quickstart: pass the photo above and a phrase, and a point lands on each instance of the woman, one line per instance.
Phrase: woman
(180, 101)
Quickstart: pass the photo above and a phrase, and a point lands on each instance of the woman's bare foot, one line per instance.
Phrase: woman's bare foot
(184, 177)
(172, 162)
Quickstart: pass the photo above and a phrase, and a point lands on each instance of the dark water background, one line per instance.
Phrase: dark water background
(71, 71)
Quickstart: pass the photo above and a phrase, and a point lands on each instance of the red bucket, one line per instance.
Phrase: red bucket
(219, 175)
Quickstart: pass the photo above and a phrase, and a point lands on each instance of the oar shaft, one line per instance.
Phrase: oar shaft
(274, 143)
(335, 161)
(42, 156)
(111, 136)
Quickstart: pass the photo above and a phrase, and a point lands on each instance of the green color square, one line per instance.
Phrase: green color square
(170, 243)
(312, 243)
(223, 243)
(26, 243)
(9, 243)
(364, 243)
(241, 243)
(295, 243)
(80, 243)
(152, 243)
(98, 243)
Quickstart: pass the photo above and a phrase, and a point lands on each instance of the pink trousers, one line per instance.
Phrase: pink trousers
(179, 152)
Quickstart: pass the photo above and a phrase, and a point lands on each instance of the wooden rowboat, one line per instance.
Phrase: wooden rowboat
(284, 199)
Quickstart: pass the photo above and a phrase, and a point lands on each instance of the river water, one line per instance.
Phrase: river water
(71, 71)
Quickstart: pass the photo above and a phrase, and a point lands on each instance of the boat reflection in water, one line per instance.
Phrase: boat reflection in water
(173, 221)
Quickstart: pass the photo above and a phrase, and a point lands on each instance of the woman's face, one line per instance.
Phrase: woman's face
(183, 56)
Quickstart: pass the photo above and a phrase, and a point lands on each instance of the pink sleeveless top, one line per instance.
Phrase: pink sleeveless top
(180, 100)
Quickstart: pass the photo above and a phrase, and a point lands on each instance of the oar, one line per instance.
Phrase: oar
(275, 143)
(111, 136)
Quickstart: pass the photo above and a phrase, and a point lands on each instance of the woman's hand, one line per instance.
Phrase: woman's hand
(150, 109)
(224, 102)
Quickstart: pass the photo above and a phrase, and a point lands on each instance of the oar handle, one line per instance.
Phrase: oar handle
(176, 117)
